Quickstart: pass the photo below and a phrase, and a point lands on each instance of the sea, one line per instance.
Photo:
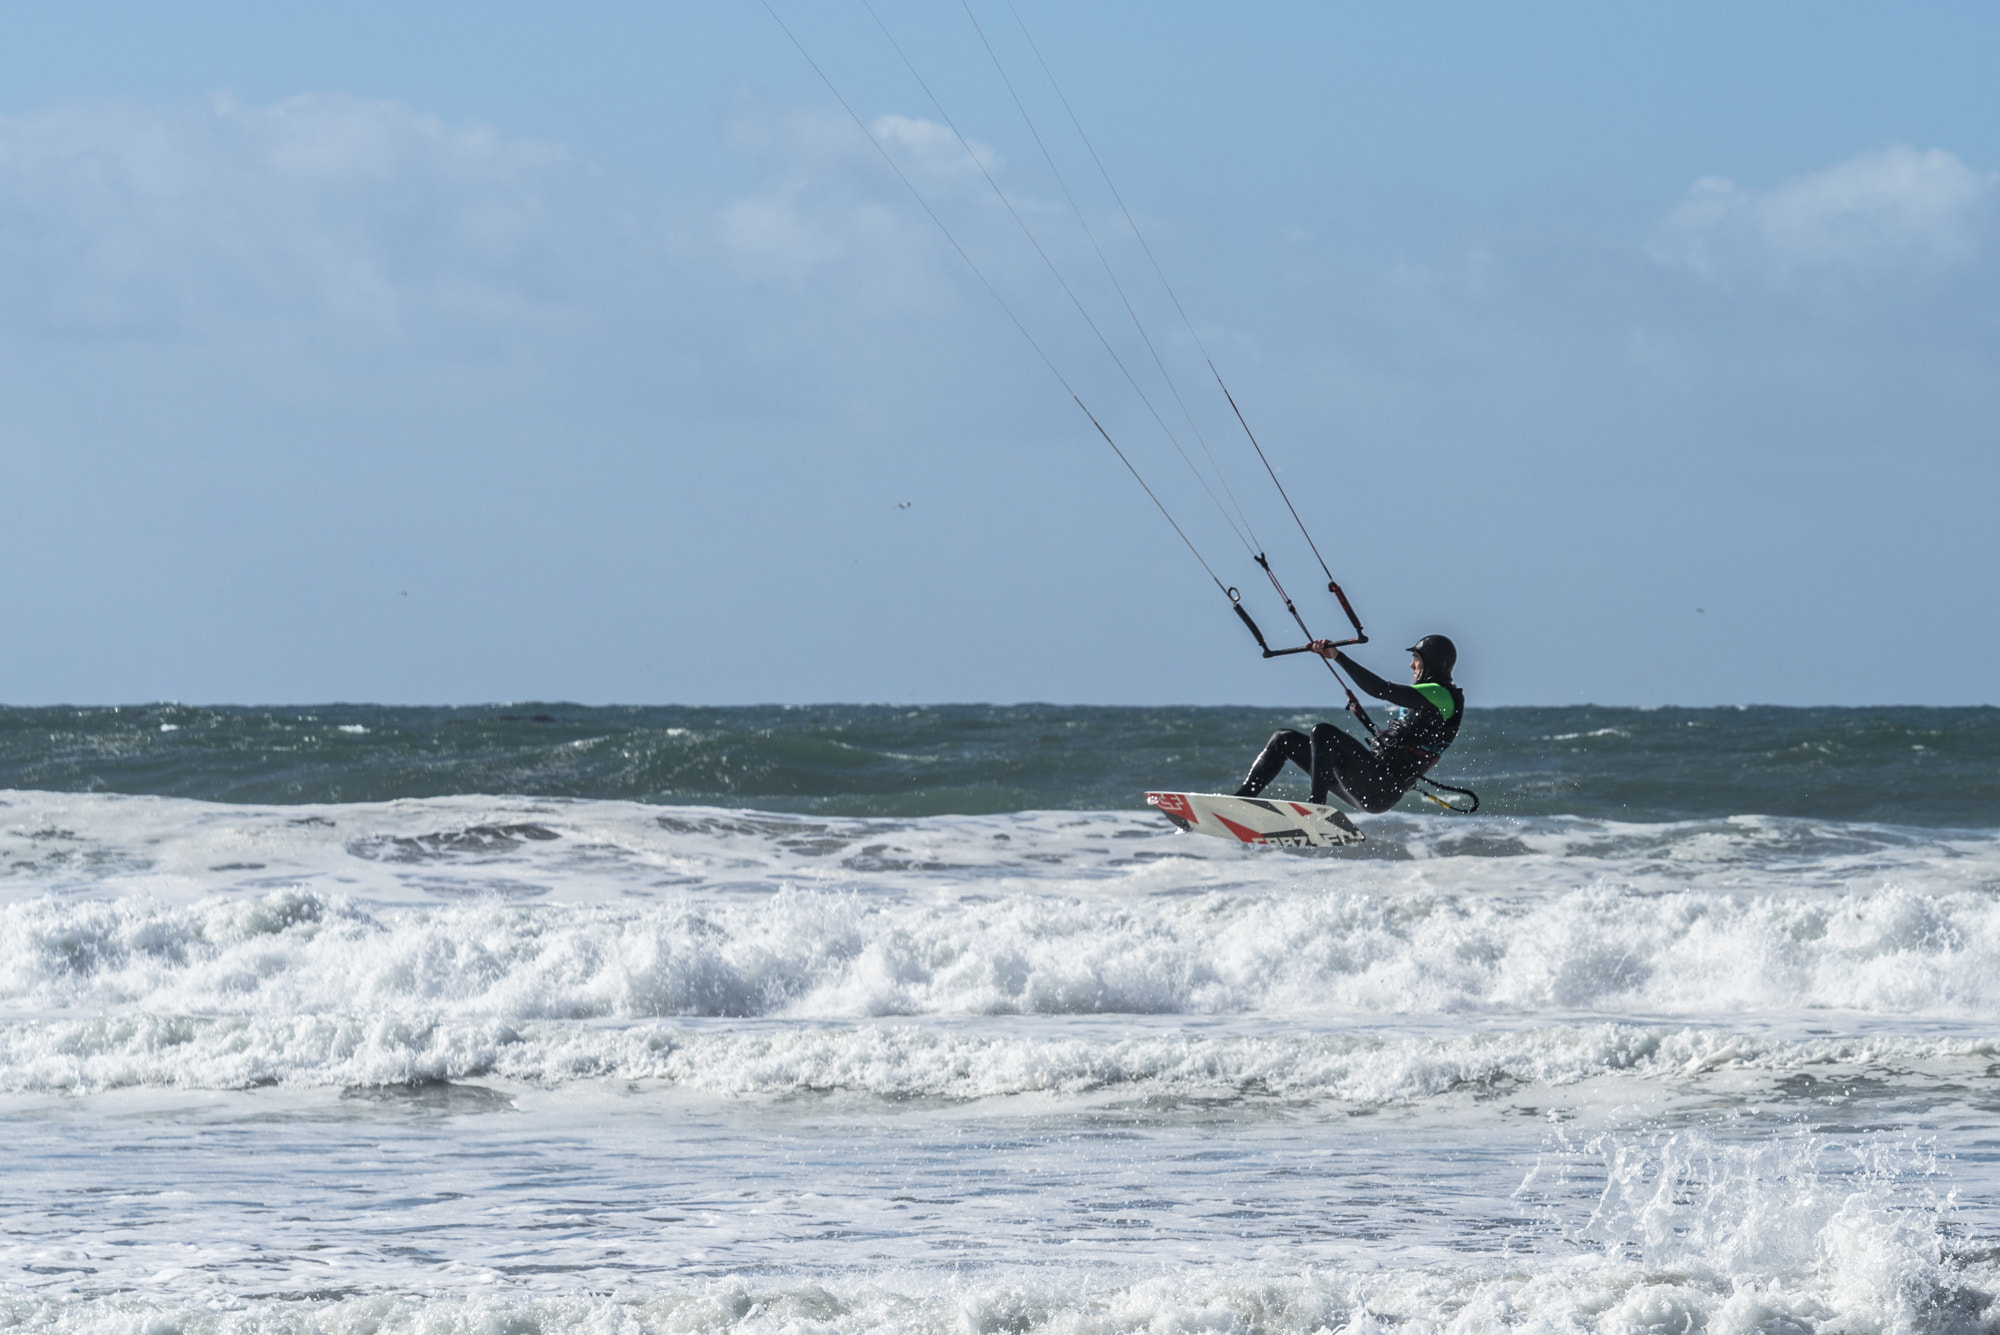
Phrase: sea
(539, 1017)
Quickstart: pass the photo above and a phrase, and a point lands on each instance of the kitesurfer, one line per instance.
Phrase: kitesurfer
(1374, 776)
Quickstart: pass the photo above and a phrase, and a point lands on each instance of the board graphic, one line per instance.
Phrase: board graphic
(1257, 820)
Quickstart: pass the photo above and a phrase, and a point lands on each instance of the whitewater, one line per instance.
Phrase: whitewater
(591, 1055)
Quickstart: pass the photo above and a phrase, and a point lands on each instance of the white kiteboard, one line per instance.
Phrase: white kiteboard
(1257, 820)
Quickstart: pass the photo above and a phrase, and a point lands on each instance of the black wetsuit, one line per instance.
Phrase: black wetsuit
(1375, 776)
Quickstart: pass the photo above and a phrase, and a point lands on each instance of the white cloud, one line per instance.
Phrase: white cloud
(128, 220)
(1895, 209)
(934, 159)
(330, 236)
(829, 198)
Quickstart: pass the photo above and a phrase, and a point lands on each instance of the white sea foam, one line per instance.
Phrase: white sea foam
(614, 852)
(562, 1220)
(822, 954)
(917, 1061)
(1792, 1248)
(160, 942)
(1797, 1231)
(745, 1071)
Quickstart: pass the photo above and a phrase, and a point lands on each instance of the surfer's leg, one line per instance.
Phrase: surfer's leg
(1350, 771)
(1285, 744)
(1338, 764)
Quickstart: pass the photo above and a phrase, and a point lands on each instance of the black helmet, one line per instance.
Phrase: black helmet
(1440, 655)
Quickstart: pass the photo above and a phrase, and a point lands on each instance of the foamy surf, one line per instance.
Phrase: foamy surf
(582, 1062)
(818, 954)
(1626, 1231)
(911, 1061)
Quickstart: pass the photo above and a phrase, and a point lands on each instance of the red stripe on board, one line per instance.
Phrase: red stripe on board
(1243, 832)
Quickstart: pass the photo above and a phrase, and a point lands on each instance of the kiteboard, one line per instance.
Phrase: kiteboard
(1255, 820)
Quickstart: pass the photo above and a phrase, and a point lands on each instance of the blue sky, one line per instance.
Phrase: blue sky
(468, 353)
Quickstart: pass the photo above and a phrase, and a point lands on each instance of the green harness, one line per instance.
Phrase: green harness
(1439, 696)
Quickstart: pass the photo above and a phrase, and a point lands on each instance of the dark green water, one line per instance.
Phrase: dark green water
(1936, 767)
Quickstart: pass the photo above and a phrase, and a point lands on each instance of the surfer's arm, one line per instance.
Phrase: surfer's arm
(1408, 697)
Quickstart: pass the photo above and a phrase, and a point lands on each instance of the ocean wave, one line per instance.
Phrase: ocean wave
(810, 954)
(1796, 1231)
(1845, 1254)
(905, 1061)
(608, 852)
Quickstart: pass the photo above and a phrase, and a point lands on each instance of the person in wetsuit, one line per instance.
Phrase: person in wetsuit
(1374, 776)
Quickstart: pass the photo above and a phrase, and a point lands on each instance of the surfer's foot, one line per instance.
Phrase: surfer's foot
(1250, 790)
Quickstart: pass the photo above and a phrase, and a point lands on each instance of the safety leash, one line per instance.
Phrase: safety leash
(1447, 788)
